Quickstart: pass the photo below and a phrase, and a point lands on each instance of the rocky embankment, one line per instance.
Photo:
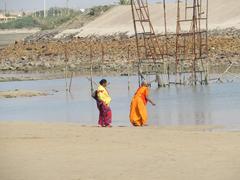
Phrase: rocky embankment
(43, 53)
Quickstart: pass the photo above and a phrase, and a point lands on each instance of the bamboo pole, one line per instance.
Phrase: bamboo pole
(66, 67)
(91, 73)
(128, 58)
(70, 84)
(226, 71)
(66, 75)
(102, 65)
(168, 74)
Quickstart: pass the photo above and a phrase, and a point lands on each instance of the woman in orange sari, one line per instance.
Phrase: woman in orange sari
(138, 110)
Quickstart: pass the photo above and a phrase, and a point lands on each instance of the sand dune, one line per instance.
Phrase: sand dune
(222, 14)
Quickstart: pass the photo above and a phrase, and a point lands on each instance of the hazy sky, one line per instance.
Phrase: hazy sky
(38, 4)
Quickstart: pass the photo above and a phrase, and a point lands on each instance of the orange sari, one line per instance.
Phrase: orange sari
(138, 111)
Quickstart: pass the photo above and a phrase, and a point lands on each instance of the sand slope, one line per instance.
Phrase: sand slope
(222, 14)
(70, 152)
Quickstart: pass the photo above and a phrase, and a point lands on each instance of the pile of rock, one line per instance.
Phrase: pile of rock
(46, 35)
(109, 53)
(229, 32)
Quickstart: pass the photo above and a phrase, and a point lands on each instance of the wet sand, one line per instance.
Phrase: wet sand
(48, 151)
(21, 93)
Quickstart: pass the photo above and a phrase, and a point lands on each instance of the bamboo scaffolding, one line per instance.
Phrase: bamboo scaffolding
(192, 45)
(148, 46)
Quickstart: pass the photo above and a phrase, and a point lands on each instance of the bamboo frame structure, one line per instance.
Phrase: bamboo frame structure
(192, 40)
(149, 49)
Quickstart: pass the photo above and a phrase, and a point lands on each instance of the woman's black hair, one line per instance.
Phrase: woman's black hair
(103, 81)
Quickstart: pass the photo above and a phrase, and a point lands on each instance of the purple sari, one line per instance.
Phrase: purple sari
(105, 114)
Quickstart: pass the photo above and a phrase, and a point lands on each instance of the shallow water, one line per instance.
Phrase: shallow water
(215, 104)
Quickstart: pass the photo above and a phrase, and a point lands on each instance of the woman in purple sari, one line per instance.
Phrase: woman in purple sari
(103, 104)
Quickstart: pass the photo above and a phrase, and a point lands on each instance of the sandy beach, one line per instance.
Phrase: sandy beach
(48, 151)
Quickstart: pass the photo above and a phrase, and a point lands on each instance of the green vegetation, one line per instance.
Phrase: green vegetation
(25, 22)
(98, 10)
(55, 18)
(124, 2)
(53, 22)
